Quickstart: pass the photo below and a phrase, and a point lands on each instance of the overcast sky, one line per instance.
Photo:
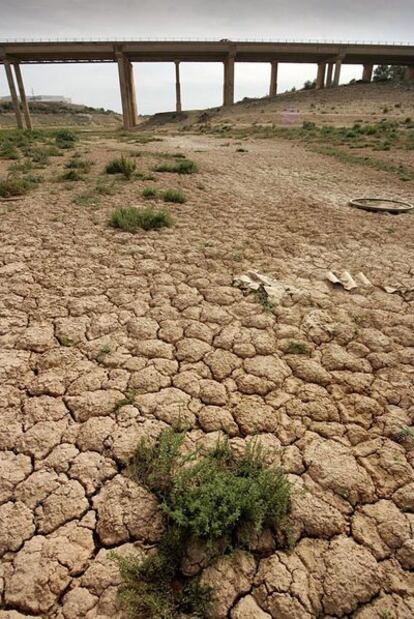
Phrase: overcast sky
(97, 85)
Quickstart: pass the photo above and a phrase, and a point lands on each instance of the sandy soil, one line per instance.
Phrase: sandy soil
(88, 313)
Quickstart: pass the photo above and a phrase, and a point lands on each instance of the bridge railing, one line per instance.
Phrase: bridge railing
(197, 39)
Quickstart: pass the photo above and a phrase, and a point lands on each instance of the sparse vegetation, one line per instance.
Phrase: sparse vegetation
(65, 138)
(180, 166)
(401, 171)
(71, 175)
(173, 195)
(105, 189)
(217, 499)
(296, 347)
(150, 193)
(89, 199)
(263, 298)
(406, 434)
(13, 186)
(132, 219)
(123, 166)
(8, 151)
(127, 401)
(77, 163)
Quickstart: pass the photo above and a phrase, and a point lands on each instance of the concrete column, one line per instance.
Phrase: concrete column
(23, 98)
(228, 90)
(409, 73)
(329, 75)
(131, 92)
(13, 94)
(367, 72)
(126, 83)
(126, 112)
(177, 87)
(273, 78)
(337, 74)
(320, 78)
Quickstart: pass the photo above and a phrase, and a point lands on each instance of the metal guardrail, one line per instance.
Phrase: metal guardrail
(195, 39)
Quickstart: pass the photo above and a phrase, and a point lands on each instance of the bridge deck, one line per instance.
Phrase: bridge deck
(205, 51)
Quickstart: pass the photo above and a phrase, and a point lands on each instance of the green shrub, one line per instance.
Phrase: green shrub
(181, 166)
(32, 180)
(131, 219)
(65, 138)
(71, 175)
(149, 193)
(13, 186)
(308, 124)
(89, 198)
(8, 151)
(295, 347)
(24, 166)
(217, 498)
(173, 195)
(105, 189)
(39, 155)
(123, 166)
(76, 163)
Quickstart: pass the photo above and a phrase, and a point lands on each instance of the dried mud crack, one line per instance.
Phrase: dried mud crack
(108, 337)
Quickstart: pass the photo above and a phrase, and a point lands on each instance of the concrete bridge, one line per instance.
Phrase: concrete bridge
(329, 58)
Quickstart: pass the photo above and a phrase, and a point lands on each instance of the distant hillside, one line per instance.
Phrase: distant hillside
(56, 114)
(333, 106)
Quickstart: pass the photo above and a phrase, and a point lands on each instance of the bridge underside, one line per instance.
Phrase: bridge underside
(328, 56)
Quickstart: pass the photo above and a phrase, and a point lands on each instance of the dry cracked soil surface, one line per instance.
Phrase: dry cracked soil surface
(107, 337)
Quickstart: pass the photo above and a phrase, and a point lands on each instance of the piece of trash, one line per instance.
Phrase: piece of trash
(267, 287)
(406, 293)
(348, 282)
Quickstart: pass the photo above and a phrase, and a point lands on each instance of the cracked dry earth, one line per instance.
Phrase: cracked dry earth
(89, 314)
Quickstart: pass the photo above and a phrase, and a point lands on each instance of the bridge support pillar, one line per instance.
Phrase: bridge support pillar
(367, 72)
(128, 98)
(337, 73)
(13, 94)
(177, 87)
(320, 77)
(22, 93)
(329, 75)
(273, 78)
(409, 73)
(228, 89)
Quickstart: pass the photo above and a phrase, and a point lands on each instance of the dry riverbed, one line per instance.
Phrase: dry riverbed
(107, 336)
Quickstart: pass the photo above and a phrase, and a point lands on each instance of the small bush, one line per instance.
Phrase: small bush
(71, 175)
(40, 156)
(149, 193)
(181, 166)
(217, 498)
(9, 151)
(13, 186)
(173, 195)
(83, 165)
(123, 166)
(131, 219)
(65, 138)
(105, 189)
(89, 198)
(308, 124)
(24, 166)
